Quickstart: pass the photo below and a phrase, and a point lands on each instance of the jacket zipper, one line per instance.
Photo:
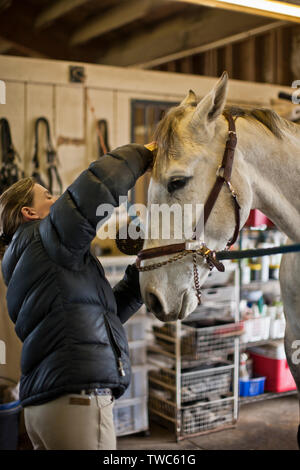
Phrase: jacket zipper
(115, 348)
(113, 343)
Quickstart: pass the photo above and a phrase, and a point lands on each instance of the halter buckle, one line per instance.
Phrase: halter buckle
(233, 193)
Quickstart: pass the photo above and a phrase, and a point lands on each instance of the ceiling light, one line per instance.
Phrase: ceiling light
(281, 8)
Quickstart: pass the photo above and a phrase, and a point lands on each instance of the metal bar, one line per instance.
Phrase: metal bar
(178, 377)
(170, 339)
(238, 254)
(211, 403)
(266, 396)
(163, 415)
(163, 384)
(154, 348)
(208, 431)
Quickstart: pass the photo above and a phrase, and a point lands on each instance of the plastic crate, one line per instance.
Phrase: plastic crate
(277, 328)
(218, 278)
(251, 387)
(218, 294)
(130, 416)
(256, 329)
(138, 353)
(135, 330)
(138, 386)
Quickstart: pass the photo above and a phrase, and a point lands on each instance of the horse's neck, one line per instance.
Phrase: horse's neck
(273, 168)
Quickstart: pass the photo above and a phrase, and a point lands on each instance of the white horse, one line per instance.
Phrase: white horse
(266, 176)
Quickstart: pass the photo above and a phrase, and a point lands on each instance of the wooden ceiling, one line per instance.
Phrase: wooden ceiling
(138, 33)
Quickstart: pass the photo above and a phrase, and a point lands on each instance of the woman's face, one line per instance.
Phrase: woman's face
(42, 201)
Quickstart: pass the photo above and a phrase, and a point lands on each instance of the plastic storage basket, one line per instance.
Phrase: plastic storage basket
(251, 387)
(130, 416)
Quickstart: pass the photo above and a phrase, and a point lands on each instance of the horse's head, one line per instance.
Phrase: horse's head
(191, 140)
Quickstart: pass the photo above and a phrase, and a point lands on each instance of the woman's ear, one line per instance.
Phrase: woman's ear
(29, 213)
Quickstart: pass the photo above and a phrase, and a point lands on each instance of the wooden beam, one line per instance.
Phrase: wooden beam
(244, 9)
(185, 36)
(17, 26)
(114, 18)
(5, 45)
(55, 11)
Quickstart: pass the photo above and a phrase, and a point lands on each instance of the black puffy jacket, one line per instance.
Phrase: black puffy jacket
(65, 311)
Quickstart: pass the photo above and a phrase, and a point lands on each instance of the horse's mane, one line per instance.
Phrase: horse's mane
(165, 129)
(269, 118)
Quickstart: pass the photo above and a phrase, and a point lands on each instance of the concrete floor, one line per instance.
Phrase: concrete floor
(266, 425)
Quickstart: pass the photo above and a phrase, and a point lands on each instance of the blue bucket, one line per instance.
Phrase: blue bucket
(9, 425)
(251, 387)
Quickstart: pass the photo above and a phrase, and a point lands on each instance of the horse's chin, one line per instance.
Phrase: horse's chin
(188, 305)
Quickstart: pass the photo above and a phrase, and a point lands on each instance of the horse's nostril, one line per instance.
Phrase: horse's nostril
(154, 303)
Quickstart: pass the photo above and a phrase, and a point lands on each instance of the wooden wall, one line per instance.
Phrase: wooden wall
(265, 58)
(36, 87)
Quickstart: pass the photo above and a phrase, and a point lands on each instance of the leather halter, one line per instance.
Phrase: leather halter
(195, 246)
(52, 170)
(10, 171)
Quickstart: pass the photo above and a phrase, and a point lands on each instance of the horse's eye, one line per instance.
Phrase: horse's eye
(177, 183)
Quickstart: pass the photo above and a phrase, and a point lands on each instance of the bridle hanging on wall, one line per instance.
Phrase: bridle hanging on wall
(102, 132)
(52, 171)
(10, 171)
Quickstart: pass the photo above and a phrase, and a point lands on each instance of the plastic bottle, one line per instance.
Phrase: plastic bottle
(264, 261)
(244, 375)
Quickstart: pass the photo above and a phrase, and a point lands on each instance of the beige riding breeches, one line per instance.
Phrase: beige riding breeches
(72, 422)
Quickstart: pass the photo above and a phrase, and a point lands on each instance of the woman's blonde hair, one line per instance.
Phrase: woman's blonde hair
(18, 195)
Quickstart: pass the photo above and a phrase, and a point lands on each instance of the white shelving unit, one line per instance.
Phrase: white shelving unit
(131, 410)
(193, 381)
(264, 329)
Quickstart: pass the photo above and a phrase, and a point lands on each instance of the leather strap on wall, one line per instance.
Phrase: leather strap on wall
(52, 171)
(10, 171)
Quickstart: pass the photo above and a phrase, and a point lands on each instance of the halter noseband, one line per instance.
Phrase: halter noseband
(195, 246)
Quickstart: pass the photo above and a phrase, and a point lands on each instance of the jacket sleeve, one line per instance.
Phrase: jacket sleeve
(127, 294)
(77, 215)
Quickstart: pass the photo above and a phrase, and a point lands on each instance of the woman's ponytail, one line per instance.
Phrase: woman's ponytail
(12, 200)
(2, 249)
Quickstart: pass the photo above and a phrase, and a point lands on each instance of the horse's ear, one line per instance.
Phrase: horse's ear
(190, 98)
(212, 105)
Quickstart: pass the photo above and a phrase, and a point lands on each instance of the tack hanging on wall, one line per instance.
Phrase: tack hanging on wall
(102, 131)
(10, 171)
(51, 160)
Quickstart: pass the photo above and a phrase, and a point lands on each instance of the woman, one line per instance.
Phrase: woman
(75, 357)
